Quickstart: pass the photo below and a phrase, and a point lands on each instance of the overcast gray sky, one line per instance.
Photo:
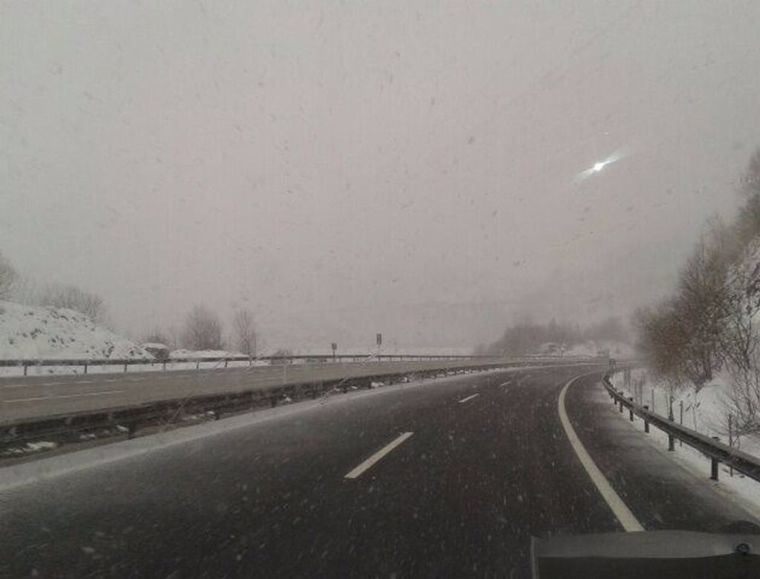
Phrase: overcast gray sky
(370, 162)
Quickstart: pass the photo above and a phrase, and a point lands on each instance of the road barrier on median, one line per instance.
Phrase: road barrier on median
(86, 363)
(110, 421)
(712, 448)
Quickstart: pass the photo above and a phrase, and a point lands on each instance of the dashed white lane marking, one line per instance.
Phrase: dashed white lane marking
(613, 500)
(367, 464)
(463, 400)
(101, 393)
(507, 383)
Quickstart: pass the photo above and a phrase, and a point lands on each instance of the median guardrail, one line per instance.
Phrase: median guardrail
(712, 448)
(87, 363)
(110, 421)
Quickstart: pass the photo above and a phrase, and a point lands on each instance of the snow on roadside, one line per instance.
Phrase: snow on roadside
(31, 333)
(706, 413)
(593, 348)
(191, 354)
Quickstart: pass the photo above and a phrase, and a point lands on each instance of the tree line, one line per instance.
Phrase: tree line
(202, 328)
(527, 337)
(711, 322)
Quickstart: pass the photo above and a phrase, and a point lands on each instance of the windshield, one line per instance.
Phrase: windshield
(374, 288)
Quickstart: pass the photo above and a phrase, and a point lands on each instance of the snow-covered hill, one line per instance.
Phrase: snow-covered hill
(28, 332)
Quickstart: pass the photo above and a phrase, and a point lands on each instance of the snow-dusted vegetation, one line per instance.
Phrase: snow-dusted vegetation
(705, 338)
(33, 333)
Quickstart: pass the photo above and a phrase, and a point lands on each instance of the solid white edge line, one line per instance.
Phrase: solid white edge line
(613, 500)
(463, 400)
(369, 463)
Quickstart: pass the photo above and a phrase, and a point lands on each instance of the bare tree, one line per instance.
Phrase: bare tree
(244, 331)
(157, 336)
(740, 342)
(8, 277)
(701, 305)
(203, 330)
(74, 298)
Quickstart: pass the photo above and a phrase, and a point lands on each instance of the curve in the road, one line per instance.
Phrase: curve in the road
(622, 512)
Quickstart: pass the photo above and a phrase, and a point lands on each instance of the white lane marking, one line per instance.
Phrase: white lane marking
(463, 400)
(102, 393)
(507, 383)
(613, 500)
(367, 464)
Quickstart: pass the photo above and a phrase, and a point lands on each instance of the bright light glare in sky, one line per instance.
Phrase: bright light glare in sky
(598, 166)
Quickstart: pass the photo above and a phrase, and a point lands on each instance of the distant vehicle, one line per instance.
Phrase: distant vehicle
(551, 349)
(157, 350)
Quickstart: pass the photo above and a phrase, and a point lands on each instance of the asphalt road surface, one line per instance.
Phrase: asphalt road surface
(445, 479)
(24, 398)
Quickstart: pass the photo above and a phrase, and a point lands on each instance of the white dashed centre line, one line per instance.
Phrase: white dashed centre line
(463, 400)
(370, 462)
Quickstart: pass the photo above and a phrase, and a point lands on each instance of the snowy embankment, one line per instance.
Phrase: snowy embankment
(704, 411)
(592, 348)
(35, 333)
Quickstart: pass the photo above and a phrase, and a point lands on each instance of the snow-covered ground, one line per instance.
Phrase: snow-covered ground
(30, 333)
(191, 354)
(592, 348)
(706, 413)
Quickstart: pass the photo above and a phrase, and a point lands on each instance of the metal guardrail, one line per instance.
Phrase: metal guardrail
(125, 363)
(110, 422)
(712, 448)
(86, 363)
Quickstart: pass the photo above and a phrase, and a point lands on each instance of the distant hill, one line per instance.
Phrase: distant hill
(29, 332)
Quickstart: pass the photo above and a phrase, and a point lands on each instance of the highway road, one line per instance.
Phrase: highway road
(449, 478)
(24, 398)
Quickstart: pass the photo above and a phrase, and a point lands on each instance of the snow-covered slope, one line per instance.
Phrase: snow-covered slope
(28, 332)
(592, 348)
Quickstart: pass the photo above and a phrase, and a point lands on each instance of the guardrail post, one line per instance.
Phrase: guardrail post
(646, 422)
(125, 367)
(671, 442)
(730, 439)
(225, 362)
(85, 368)
(630, 410)
(621, 406)
(26, 367)
(714, 463)
(164, 365)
